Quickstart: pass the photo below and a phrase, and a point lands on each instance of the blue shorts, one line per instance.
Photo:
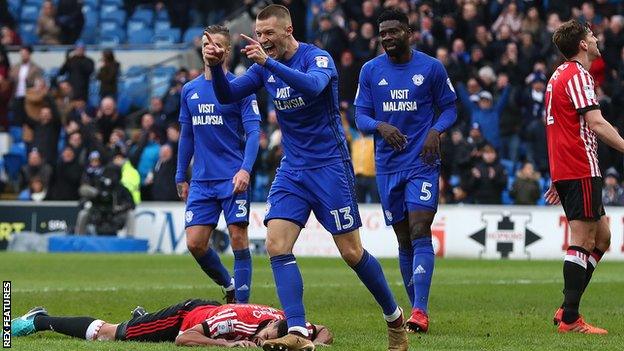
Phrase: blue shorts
(207, 199)
(414, 189)
(328, 191)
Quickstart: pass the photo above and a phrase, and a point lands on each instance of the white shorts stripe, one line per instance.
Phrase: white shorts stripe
(575, 259)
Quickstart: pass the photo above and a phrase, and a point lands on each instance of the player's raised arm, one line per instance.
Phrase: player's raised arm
(251, 124)
(323, 336)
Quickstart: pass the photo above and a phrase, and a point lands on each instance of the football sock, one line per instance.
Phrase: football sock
(424, 261)
(370, 273)
(211, 264)
(592, 262)
(574, 272)
(289, 286)
(242, 275)
(406, 259)
(72, 326)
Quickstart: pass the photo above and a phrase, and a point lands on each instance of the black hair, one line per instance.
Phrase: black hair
(282, 328)
(393, 15)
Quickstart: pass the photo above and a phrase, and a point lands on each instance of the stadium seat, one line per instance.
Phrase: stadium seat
(143, 36)
(161, 25)
(91, 3)
(166, 37)
(28, 32)
(191, 33)
(91, 17)
(36, 3)
(14, 8)
(109, 26)
(145, 15)
(94, 92)
(160, 79)
(118, 3)
(510, 167)
(12, 164)
(16, 134)
(109, 38)
(30, 13)
(136, 24)
(118, 16)
(162, 15)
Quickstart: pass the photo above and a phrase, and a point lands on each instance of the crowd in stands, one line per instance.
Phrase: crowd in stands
(498, 54)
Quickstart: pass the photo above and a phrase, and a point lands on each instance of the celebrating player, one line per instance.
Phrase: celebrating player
(189, 323)
(224, 141)
(398, 95)
(315, 174)
(573, 119)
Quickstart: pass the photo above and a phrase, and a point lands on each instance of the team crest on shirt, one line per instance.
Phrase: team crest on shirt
(268, 207)
(589, 92)
(388, 215)
(322, 61)
(418, 79)
(188, 216)
(254, 106)
(224, 327)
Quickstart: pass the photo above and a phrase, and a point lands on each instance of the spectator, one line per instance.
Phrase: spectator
(67, 175)
(63, 100)
(510, 17)
(488, 178)
(612, 192)
(94, 169)
(532, 23)
(74, 140)
(78, 68)
(36, 191)
(364, 45)
(6, 89)
(70, 19)
(173, 137)
(534, 131)
(456, 156)
(8, 36)
(107, 118)
(23, 76)
(130, 178)
(108, 74)
(37, 97)
(487, 113)
(331, 37)
(363, 156)
(613, 41)
(348, 72)
(46, 135)
(162, 180)
(47, 29)
(35, 167)
(526, 187)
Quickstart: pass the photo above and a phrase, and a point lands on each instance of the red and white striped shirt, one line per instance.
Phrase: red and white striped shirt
(572, 145)
(232, 322)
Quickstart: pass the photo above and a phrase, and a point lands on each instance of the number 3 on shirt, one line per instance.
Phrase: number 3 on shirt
(346, 221)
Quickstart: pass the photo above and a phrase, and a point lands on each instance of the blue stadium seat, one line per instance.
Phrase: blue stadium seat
(136, 24)
(509, 166)
(30, 13)
(160, 80)
(110, 38)
(143, 36)
(191, 33)
(106, 9)
(15, 3)
(136, 71)
(161, 25)
(166, 37)
(91, 3)
(91, 17)
(28, 32)
(118, 16)
(108, 26)
(16, 134)
(12, 164)
(14, 8)
(36, 3)
(162, 15)
(118, 3)
(94, 92)
(146, 15)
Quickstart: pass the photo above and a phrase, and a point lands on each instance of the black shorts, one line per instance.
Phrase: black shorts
(581, 198)
(160, 326)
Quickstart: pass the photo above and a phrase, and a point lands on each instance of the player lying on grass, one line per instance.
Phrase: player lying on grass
(190, 323)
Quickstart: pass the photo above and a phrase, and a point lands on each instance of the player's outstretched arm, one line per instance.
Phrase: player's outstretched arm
(227, 91)
(252, 144)
(323, 336)
(310, 83)
(604, 129)
(196, 337)
(185, 153)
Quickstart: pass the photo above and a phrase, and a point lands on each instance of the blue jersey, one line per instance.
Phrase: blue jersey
(405, 96)
(312, 133)
(218, 133)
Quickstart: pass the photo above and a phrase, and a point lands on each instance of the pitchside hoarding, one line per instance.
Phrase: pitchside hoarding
(488, 232)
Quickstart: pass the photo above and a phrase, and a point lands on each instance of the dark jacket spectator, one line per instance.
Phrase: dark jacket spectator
(35, 167)
(70, 19)
(66, 179)
(526, 188)
(163, 181)
(107, 118)
(108, 74)
(78, 68)
(331, 38)
(348, 72)
(488, 179)
(46, 135)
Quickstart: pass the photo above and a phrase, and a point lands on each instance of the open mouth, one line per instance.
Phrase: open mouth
(269, 49)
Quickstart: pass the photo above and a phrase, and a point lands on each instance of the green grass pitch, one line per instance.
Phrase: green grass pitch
(475, 305)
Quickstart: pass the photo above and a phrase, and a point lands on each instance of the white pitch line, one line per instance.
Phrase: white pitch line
(312, 285)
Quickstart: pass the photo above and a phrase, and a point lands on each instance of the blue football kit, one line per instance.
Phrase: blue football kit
(222, 139)
(405, 96)
(408, 96)
(316, 173)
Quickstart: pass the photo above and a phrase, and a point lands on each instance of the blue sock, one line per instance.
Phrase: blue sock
(211, 264)
(289, 285)
(424, 260)
(406, 259)
(242, 275)
(370, 273)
